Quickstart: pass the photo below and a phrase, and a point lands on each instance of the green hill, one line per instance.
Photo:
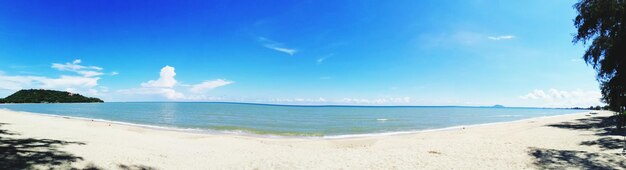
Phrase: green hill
(47, 96)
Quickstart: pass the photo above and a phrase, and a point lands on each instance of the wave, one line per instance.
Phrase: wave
(233, 130)
(242, 131)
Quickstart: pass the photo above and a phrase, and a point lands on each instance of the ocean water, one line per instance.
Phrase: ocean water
(279, 120)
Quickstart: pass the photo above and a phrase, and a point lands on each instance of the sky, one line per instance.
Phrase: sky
(405, 52)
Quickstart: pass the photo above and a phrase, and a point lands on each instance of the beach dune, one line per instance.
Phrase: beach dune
(581, 140)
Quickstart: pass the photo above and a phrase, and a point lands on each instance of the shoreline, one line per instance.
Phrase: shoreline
(306, 105)
(536, 143)
(272, 136)
(457, 127)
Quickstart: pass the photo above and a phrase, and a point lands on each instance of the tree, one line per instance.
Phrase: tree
(602, 23)
(47, 96)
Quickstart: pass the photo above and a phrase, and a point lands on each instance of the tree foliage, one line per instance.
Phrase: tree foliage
(47, 96)
(601, 26)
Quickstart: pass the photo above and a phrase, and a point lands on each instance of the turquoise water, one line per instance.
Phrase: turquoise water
(288, 120)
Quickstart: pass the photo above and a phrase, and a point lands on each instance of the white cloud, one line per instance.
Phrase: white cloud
(61, 83)
(346, 101)
(15, 82)
(114, 73)
(74, 66)
(162, 87)
(267, 43)
(89, 73)
(167, 87)
(69, 81)
(84, 83)
(166, 79)
(378, 101)
(322, 59)
(208, 85)
(289, 51)
(561, 98)
(167, 93)
(298, 100)
(503, 37)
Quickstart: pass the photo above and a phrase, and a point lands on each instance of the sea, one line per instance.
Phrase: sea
(288, 120)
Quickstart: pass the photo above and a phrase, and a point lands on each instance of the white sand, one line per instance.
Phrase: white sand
(497, 146)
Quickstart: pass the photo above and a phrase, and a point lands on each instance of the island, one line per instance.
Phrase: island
(47, 96)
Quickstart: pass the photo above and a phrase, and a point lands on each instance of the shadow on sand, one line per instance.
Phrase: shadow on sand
(610, 139)
(565, 159)
(32, 153)
(29, 153)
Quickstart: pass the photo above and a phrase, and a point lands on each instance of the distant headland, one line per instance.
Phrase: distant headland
(47, 96)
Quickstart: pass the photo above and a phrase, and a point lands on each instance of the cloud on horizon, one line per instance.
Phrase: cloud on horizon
(208, 85)
(166, 79)
(561, 98)
(167, 87)
(167, 93)
(85, 82)
(346, 101)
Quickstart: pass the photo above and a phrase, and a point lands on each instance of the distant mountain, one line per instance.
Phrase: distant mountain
(498, 106)
(47, 96)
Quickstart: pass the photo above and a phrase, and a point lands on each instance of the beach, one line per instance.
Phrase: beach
(580, 140)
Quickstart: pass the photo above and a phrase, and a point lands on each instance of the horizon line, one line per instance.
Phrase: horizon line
(342, 105)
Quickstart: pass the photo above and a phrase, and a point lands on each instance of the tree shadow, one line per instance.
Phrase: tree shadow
(606, 143)
(602, 127)
(120, 166)
(135, 167)
(566, 159)
(6, 132)
(32, 153)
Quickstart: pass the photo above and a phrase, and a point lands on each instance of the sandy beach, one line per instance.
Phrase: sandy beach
(580, 140)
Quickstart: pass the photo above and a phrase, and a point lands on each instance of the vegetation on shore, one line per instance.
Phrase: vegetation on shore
(602, 23)
(47, 96)
(606, 107)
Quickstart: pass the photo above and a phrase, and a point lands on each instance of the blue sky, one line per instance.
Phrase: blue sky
(515, 53)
